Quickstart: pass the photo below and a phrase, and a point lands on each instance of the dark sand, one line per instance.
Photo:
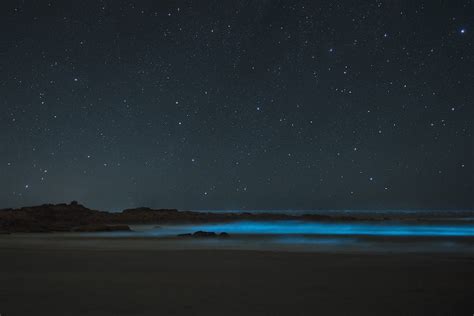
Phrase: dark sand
(80, 278)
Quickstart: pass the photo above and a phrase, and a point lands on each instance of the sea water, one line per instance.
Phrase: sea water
(444, 231)
(296, 227)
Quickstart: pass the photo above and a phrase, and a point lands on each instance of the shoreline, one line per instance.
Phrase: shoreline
(323, 244)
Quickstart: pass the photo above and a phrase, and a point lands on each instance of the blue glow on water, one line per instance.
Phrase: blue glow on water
(311, 236)
(318, 228)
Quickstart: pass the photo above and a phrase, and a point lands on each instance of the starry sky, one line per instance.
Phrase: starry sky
(237, 104)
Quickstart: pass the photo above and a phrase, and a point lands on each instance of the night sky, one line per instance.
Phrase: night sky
(237, 104)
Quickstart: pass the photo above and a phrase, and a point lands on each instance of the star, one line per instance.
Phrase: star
(147, 108)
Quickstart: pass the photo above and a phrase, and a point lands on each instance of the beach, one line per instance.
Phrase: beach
(43, 274)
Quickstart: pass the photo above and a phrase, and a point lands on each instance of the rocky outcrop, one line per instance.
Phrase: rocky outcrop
(46, 218)
(201, 234)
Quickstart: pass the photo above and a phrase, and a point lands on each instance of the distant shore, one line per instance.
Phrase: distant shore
(76, 217)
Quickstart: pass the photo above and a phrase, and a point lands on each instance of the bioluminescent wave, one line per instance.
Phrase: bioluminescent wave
(312, 228)
(308, 228)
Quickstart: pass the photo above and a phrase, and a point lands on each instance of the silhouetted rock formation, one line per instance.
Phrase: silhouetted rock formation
(47, 218)
(74, 216)
(200, 234)
(204, 234)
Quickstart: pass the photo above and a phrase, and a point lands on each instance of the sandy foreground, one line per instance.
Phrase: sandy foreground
(88, 276)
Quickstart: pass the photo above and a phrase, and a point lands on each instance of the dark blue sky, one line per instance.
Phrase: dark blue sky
(237, 104)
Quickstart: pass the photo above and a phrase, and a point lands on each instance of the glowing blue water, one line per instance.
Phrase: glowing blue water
(313, 236)
(317, 228)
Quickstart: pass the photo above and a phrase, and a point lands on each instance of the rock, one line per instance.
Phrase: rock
(201, 233)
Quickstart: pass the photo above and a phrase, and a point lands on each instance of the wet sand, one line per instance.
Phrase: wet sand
(87, 277)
